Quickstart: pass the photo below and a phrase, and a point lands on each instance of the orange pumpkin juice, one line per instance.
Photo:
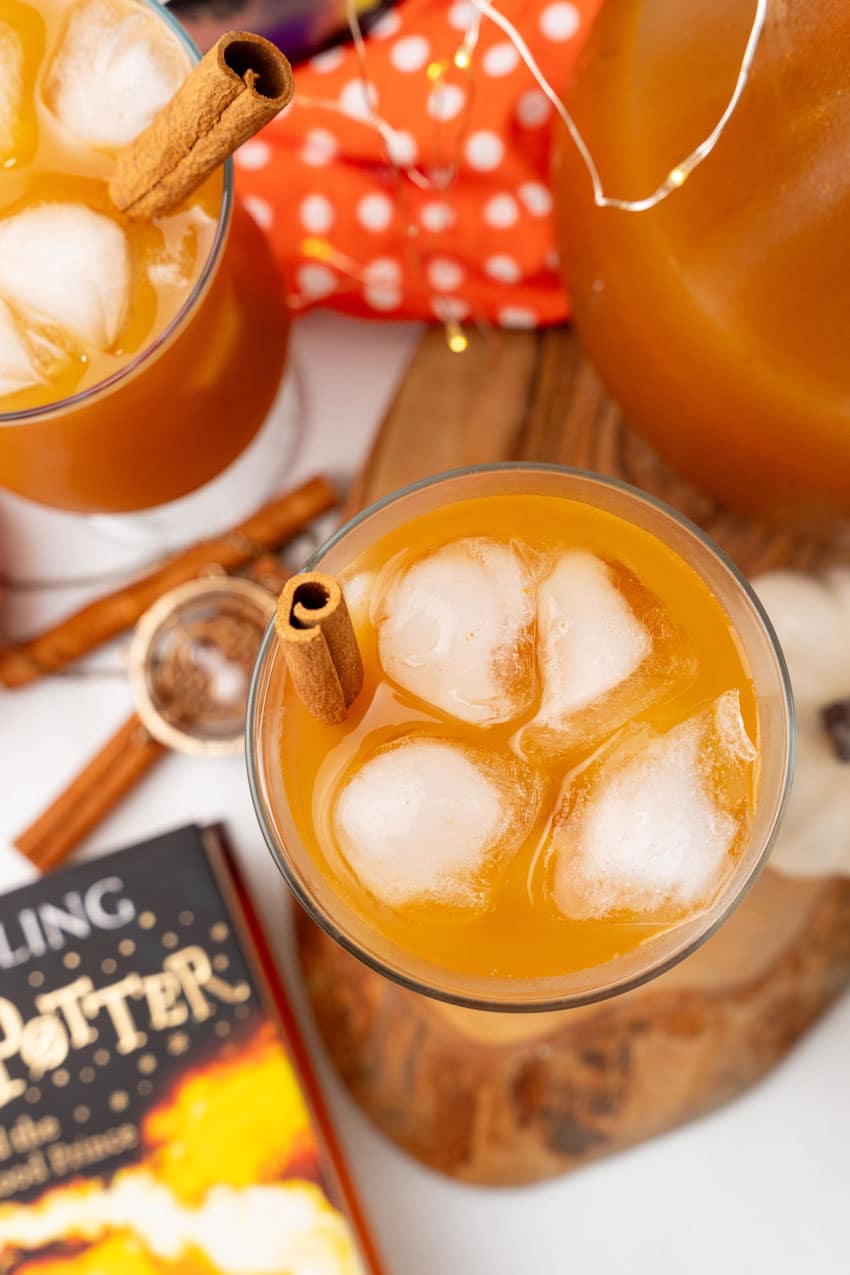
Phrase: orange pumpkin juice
(718, 319)
(137, 358)
(554, 756)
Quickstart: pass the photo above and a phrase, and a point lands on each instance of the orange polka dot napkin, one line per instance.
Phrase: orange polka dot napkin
(446, 212)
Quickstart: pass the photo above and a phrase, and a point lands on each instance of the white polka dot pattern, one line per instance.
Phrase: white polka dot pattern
(511, 316)
(402, 148)
(448, 309)
(559, 21)
(381, 298)
(253, 155)
(436, 216)
(446, 101)
(260, 210)
(537, 198)
(320, 148)
(382, 272)
(443, 212)
(500, 59)
(389, 24)
(444, 274)
(317, 214)
(484, 151)
(316, 280)
(501, 211)
(357, 100)
(410, 53)
(325, 63)
(460, 16)
(375, 212)
(502, 268)
(533, 109)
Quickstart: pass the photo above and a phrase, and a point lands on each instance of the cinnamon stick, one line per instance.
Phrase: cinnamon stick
(99, 786)
(268, 573)
(236, 88)
(320, 646)
(81, 632)
(112, 772)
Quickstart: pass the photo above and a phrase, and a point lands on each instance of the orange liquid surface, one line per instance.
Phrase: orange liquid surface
(718, 319)
(192, 407)
(520, 932)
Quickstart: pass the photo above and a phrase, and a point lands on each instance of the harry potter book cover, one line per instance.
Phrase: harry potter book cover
(157, 1113)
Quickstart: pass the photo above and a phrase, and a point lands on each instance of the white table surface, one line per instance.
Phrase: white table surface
(762, 1186)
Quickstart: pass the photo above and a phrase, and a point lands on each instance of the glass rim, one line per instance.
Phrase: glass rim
(543, 1003)
(64, 405)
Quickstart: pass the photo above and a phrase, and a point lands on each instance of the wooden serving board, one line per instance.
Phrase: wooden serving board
(512, 1098)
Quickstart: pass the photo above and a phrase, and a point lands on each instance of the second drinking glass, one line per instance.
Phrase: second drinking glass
(137, 359)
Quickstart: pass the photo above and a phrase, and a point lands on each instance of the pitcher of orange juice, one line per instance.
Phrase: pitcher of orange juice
(718, 318)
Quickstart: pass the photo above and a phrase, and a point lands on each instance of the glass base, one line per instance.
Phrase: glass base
(228, 499)
(55, 561)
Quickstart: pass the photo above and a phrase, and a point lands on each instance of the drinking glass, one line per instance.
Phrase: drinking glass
(184, 407)
(761, 652)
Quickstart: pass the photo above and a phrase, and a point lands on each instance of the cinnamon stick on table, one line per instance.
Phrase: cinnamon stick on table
(98, 787)
(81, 632)
(319, 645)
(236, 88)
(112, 771)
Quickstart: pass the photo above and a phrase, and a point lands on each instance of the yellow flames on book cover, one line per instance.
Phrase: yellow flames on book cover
(215, 1184)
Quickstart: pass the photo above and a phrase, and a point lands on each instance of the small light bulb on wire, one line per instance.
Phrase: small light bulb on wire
(318, 249)
(456, 338)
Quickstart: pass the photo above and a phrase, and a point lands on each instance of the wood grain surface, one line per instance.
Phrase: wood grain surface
(506, 1098)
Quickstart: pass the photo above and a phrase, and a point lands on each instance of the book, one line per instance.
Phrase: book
(158, 1115)
(300, 27)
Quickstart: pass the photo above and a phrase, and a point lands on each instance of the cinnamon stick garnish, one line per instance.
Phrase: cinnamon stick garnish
(320, 646)
(81, 632)
(99, 786)
(241, 84)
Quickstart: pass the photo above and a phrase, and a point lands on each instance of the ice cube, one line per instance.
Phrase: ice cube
(171, 267)
(11, 86)
(604, 656)
(456, 628)
(358, 590)
(18, 364)
(427, 818)
(116, 67)
(27, 356)
(589, 639)
(68, 266)
(647, 827)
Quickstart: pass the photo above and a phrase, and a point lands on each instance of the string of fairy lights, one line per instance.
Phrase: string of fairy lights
(441, 177)
(681, 171)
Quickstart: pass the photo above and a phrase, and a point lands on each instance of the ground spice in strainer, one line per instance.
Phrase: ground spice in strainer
(191, 661)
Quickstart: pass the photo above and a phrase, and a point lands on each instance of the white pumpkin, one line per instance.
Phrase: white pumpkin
(811, 615)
